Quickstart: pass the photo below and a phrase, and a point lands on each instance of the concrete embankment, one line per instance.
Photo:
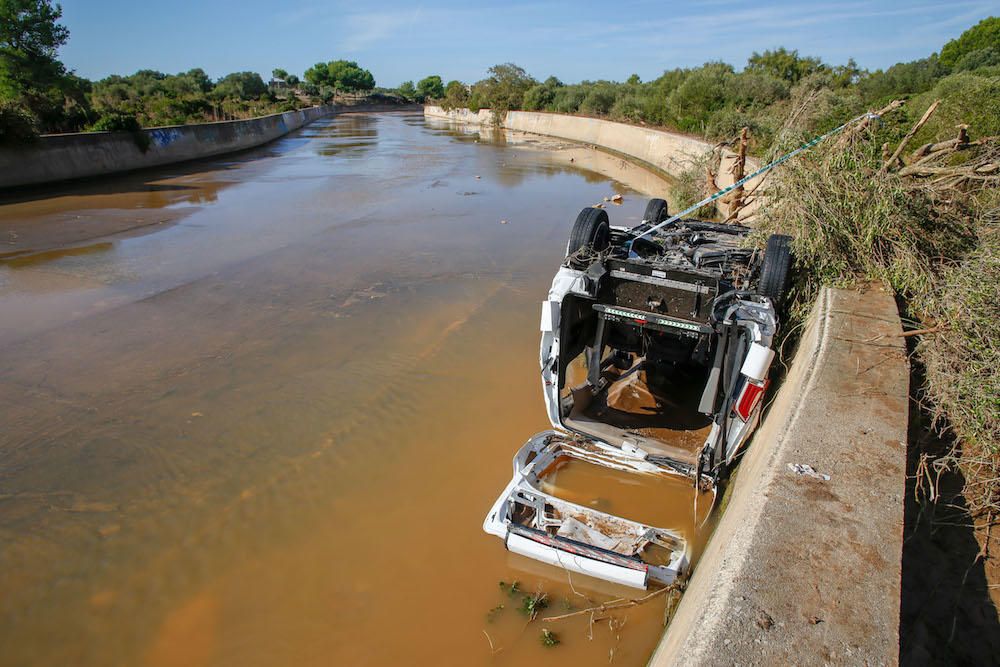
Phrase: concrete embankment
(669, 152)
(60, 157)
(805, 570)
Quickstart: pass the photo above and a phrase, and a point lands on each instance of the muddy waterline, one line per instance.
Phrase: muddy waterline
(255, 409)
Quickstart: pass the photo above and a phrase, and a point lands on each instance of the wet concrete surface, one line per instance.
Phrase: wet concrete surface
(255, 409)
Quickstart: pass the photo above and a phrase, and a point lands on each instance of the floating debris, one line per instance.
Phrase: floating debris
(549, 638)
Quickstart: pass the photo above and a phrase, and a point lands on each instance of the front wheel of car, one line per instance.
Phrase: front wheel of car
(775, 271)
(591, 229)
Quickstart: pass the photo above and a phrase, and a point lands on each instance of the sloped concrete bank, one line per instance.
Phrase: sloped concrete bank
(61, 157)
(669, 152)
(802, 570)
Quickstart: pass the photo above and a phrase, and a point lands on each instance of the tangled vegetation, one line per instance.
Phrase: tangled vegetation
(917, 210)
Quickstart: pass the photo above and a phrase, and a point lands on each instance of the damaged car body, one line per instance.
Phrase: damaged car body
(655, 351)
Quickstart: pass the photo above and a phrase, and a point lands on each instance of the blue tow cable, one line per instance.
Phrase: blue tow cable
(721, 193)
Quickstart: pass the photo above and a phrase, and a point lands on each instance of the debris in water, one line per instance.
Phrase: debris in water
(607, 199)
(617, 199)
(478, 177)
(806, 469)
(503, 222)
(598, 205)
(511, 589)
(492, 613)
(532, 604)
(549, 638)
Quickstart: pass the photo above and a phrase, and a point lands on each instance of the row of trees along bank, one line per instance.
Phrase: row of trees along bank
(38, 94)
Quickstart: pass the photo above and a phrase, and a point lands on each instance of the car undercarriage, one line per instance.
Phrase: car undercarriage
(655, 351)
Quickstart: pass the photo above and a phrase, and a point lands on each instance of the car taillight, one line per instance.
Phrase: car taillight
(749, 398)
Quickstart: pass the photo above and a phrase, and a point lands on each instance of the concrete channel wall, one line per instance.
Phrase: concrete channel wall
(669, 152)
(60, 157)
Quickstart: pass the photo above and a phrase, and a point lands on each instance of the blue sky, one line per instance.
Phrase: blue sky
(572, 40)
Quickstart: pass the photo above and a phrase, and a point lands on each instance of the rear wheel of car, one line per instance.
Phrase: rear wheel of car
(776, 268)
(656, 211)
(591, 229)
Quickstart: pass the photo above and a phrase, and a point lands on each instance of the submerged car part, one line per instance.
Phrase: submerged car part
(574, 536)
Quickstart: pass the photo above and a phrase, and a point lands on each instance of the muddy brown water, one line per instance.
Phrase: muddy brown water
(255, 409)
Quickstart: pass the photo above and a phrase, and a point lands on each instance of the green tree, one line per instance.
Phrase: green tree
(347, 76)
(29, 41)
(292, 80)
(983, 35)
(241, 85)
(431, 88)
(504, 89)
(318, 75)
(456, 95)
(783, 64)
(407, 90)
(278, 73)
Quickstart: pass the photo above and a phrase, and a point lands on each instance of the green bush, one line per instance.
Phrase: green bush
(116, 122)
(18, 126)
(966, 98)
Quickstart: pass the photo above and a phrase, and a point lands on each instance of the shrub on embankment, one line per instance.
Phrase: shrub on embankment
(925, 224)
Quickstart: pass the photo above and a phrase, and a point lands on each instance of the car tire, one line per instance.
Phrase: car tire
(656, 211)
(776, 268)
(590, 229)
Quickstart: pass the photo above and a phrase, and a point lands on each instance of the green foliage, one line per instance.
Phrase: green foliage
(430, 88)
(549, 638)
(902, 79)
(531, 605)
(504, 88)
(278, 73)
(29, 39)
(456, 95)
(407, 90)
(241, 86)
(702, 93)
(18, 125)
(784, 64)
(983, 35)
(341, 75)
(980, 58)
(966, 98)
(348, 76)
(116, 122)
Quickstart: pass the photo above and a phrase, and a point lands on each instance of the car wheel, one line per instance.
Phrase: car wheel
(590, 229)
(776, 268)
(656, 211)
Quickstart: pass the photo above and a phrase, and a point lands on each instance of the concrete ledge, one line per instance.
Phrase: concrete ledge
(669, 152)
(800, 570)
(60, 157)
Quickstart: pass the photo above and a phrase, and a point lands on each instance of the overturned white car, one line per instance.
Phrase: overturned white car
(655, 353)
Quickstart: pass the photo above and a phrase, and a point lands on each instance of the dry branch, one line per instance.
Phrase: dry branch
(909, 135)
(619, 603)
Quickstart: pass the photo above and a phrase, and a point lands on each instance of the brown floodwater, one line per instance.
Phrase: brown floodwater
(255, 409)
